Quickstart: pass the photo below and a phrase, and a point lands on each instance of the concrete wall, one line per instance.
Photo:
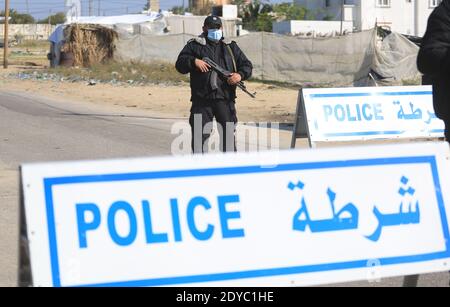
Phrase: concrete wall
(193, 25)
(29, 31)
(304, 26)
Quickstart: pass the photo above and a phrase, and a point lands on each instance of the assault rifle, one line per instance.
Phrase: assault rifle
(226, 74)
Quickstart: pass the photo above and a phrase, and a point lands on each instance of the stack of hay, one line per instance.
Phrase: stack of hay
(89, 44)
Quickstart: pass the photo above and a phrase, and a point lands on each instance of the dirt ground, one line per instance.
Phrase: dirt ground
(273, 103)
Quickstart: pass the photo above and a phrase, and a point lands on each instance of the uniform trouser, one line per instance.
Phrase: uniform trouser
(447, 130)
(201, 121)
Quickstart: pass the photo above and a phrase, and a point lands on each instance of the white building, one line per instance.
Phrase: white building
(311, 27)
(403, 16)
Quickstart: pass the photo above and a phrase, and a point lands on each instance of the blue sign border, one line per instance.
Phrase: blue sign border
(437, 132)
(369, 94)
(49, 183)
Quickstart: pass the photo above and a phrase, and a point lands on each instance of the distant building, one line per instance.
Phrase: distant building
(198, 4)
(225, 11)
(179, 24)
(403, 16)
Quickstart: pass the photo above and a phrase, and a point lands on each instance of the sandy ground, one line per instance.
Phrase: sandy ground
(273, 103)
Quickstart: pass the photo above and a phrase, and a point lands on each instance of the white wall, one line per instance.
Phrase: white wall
(403, 16)
(193, 25)
(399, 17)
(29, 31)
(229, 11)
(319, 9)
(424, 13)
(305, 26)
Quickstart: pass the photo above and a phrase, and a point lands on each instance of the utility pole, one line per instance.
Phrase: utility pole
(99, 7)
(6, 34)
(416, 18)
(342, 16)
(28, 6)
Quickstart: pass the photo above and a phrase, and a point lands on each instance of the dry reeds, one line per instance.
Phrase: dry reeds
(90, 44)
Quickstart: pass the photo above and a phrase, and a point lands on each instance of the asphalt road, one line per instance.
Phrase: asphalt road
(33, 129)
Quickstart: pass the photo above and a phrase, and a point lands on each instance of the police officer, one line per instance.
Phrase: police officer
(213, 96)
(434, 61)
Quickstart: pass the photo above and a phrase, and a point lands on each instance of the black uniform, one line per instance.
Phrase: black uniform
(210, 101)
(434, 61)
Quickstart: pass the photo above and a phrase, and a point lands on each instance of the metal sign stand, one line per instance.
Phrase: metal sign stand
(301, 129)
(411, 281)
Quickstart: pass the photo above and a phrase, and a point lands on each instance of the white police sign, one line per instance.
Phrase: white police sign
(355, 114)
(311, 217)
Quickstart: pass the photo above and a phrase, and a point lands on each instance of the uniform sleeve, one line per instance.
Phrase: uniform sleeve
(434, 54)
(244, 66)
(186, 60)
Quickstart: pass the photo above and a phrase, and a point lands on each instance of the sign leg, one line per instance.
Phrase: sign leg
(24, 271)
(411, 281)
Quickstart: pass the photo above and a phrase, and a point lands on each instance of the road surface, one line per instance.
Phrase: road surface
(34, 129)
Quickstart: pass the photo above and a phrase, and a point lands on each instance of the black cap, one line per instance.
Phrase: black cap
(213, 22)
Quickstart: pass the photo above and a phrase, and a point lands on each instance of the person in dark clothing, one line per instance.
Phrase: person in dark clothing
(434, 61)
(213, 96)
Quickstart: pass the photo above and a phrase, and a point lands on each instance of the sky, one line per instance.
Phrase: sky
(43, 8)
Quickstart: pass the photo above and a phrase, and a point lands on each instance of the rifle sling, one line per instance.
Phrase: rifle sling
(232, 57)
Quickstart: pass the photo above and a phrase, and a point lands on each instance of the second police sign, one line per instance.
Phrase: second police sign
(353, 114)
